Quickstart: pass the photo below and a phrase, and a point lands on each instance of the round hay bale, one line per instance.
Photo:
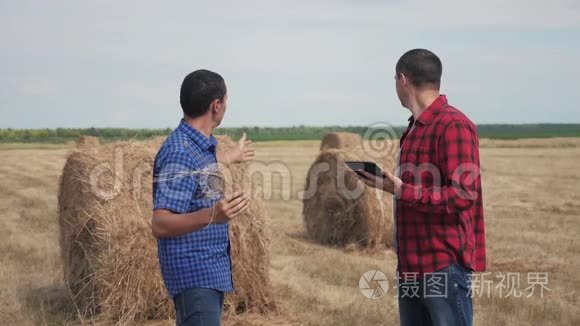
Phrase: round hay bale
(109, 253)
(88, 141)
(340, 140)
(338, 209)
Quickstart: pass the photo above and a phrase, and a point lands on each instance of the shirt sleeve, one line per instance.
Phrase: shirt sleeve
(459, 167)
(174, 182)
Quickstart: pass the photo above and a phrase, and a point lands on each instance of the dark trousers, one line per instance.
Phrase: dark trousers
(198, 306)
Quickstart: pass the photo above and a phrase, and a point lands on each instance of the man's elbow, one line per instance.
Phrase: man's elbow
(157, 230)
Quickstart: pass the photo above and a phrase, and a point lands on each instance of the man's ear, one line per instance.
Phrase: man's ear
(214, 105)
(404, 79)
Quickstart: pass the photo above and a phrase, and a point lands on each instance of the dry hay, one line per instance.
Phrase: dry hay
(88, 141)
(249, 240)
(339, 209)
(340, 140)
(109, 253)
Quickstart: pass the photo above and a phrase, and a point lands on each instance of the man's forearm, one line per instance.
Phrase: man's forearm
(166, 224)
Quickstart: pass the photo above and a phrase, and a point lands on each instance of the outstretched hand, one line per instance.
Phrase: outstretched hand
(242, 152)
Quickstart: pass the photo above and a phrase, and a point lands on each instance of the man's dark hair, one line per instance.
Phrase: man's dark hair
(198, 90)
(422, 67)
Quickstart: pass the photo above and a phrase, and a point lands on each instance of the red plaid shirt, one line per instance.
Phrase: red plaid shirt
(439, 213)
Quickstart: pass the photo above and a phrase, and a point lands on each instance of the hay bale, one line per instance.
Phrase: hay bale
(88, 141)
(340, 140)
(109, 253)
(340, 210)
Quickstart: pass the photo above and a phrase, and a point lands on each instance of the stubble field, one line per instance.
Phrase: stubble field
(532, 211)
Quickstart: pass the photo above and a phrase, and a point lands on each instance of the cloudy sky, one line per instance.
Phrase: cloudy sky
(310, 62)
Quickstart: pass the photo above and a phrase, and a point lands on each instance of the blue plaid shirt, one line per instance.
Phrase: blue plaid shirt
(185, 181)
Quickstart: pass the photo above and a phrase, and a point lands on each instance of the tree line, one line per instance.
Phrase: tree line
(61, 135)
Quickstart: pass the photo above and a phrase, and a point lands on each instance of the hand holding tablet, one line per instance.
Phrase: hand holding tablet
(369, 167)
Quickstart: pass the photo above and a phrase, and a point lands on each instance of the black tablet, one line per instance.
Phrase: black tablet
(369, 167)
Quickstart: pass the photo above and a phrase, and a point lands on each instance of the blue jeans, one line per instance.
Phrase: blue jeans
(198, 306)
(428, 305)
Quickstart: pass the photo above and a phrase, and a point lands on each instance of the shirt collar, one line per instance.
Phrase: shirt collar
(204, 142)
(432, 110)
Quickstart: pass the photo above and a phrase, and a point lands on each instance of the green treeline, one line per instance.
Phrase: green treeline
(61, 135)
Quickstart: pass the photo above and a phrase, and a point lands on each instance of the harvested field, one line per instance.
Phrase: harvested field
(532, 207)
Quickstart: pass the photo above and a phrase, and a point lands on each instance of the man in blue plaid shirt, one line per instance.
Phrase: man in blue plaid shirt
(190, 213)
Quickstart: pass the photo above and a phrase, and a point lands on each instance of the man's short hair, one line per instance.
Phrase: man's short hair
(422, 67)
(198, 90)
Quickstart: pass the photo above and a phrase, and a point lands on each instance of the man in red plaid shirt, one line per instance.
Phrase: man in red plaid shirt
(439, 229)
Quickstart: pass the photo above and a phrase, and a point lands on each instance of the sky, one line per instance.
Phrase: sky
(79, 64)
